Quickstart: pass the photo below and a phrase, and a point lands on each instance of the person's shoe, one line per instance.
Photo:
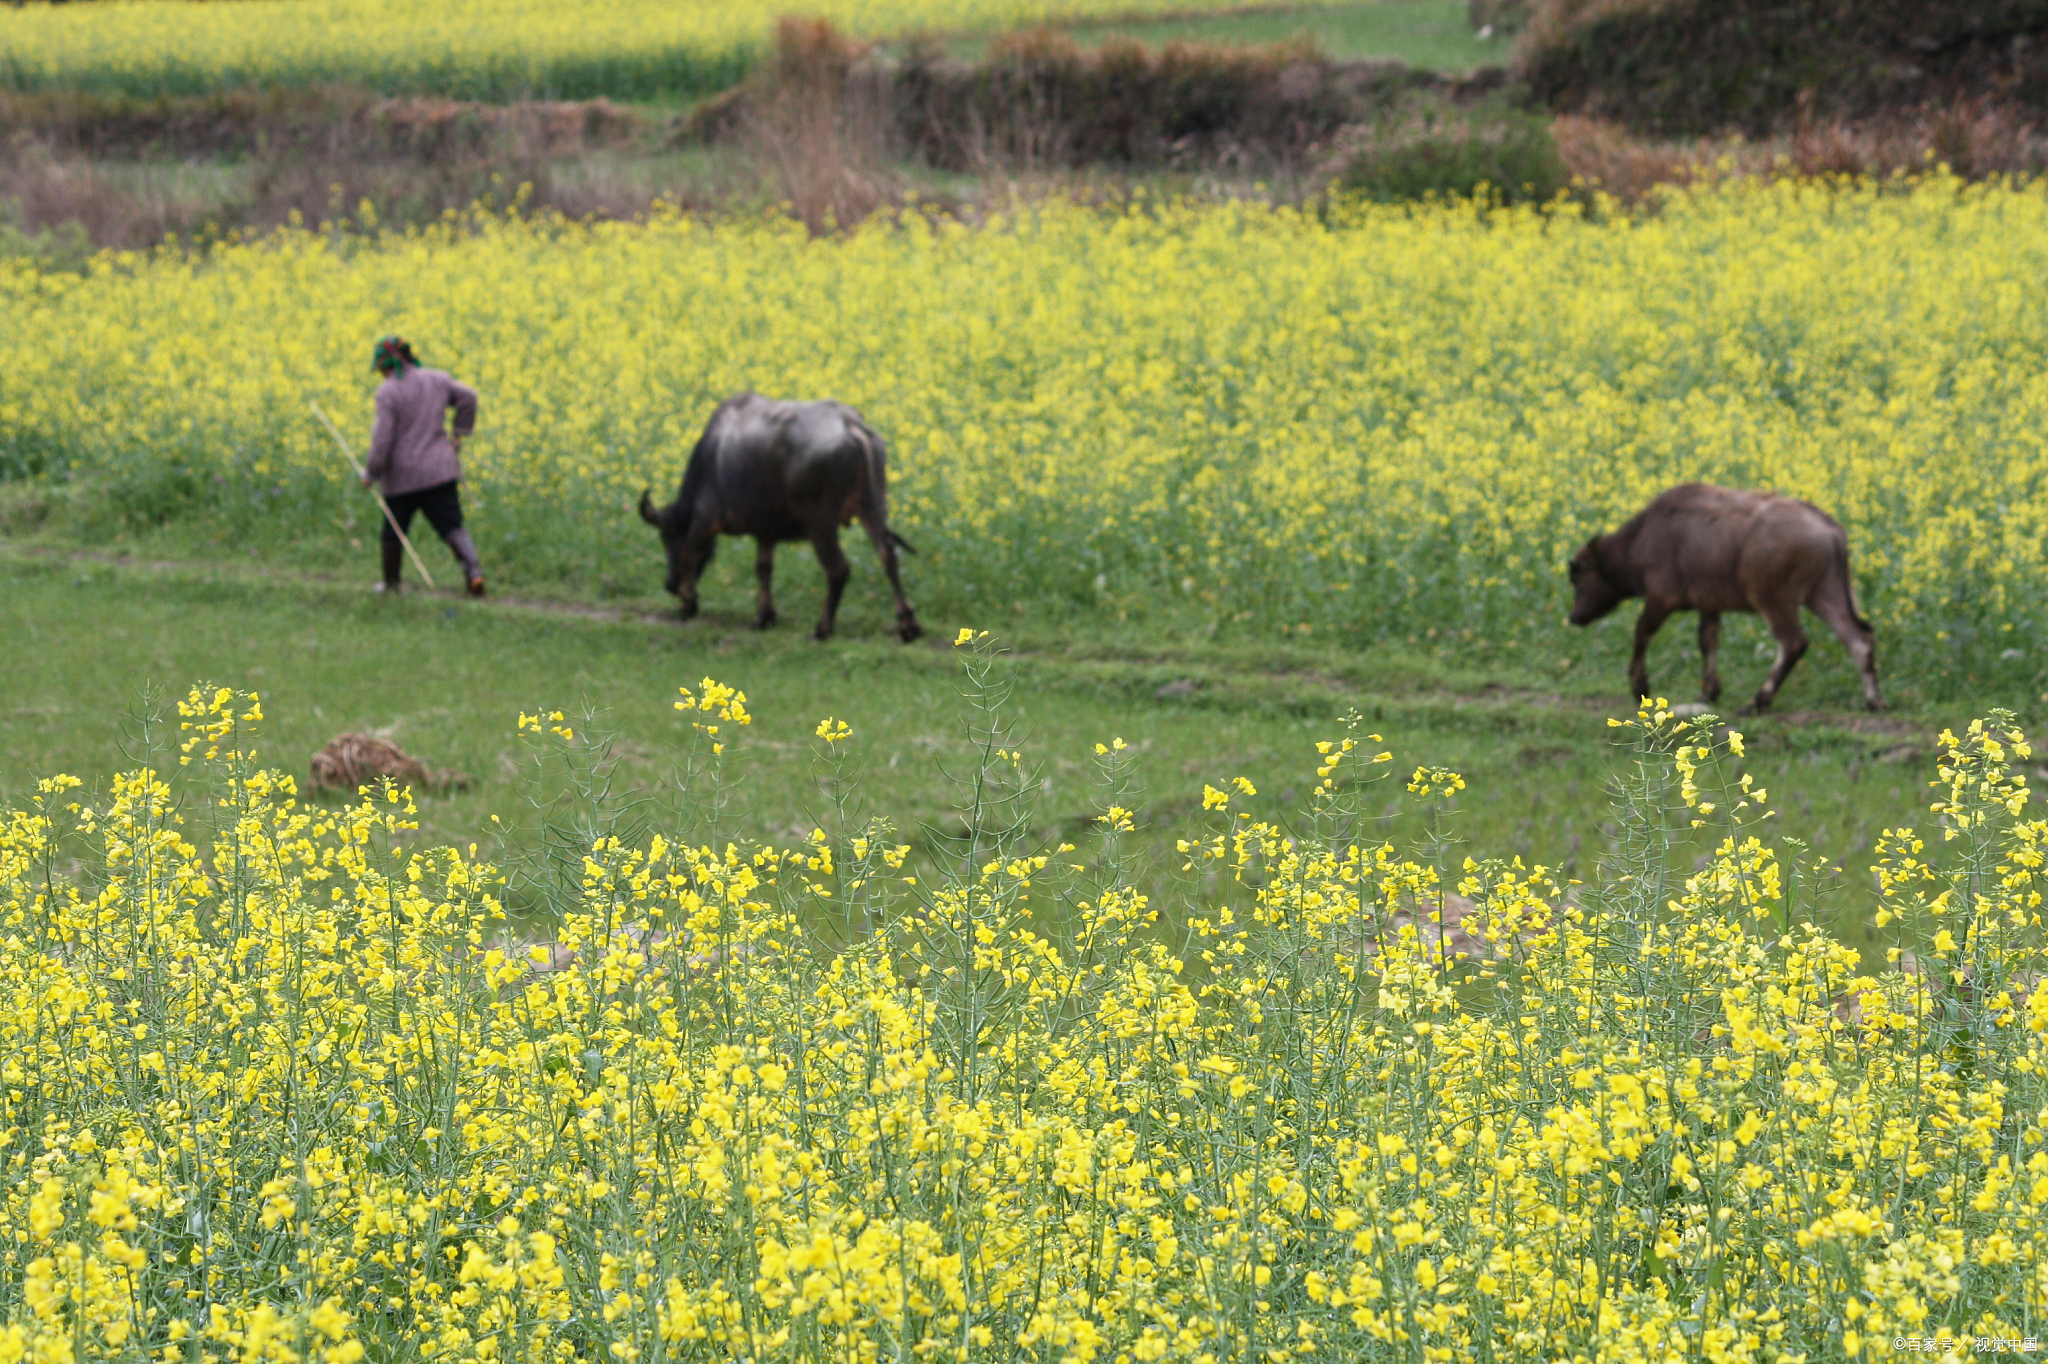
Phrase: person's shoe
(476, 586)
(386, 587)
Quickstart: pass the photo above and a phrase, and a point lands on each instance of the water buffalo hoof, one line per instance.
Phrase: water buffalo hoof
(688, 612)
(821, 632)
(908, 630)
(765, 620)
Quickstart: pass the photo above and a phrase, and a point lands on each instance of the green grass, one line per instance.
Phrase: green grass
(1434, 35)
(446, 677)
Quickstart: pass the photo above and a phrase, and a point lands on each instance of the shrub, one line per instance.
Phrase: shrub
(64, 248)
(1511, 158)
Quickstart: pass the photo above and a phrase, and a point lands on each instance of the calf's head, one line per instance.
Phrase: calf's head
(1594, 594)
(674, 524)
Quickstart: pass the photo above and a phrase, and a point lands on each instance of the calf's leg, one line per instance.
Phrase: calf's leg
(1792, 642)
(907, 628)
(832, 559)
(1710, 663)
(764, 572)
(1833, 605)
(1647, 626)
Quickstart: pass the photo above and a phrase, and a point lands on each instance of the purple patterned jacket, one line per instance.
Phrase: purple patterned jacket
(408, 449)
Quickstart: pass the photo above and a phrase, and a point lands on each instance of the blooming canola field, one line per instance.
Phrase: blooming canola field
(279, 1088)
(474, 49)
(1366, 424)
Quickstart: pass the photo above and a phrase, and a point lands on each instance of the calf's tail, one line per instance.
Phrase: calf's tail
(1848, 580)
(900, 542)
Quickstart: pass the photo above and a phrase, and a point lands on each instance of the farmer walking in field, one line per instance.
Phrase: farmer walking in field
(415, 459)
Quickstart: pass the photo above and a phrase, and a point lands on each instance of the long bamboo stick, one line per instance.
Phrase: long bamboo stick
(382, 505)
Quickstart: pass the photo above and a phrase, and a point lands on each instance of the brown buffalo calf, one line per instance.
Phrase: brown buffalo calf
(1710, 550)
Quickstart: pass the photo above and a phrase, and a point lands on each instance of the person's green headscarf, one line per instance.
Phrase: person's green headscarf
(392, 355)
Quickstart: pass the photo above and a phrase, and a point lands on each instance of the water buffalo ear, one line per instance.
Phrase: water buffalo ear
(647, 512)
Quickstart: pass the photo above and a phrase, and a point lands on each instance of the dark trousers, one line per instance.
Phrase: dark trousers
(441, 503)
(443, 507)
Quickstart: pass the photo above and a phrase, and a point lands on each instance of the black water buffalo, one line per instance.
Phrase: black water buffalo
(781, 471)
(1707, 549)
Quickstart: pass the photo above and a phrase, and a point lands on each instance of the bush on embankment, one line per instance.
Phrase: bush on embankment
(1696, 67)
(1508, 157)
(280, 1085)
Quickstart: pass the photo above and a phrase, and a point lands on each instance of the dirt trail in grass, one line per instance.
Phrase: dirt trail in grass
(272, 574)
(1171, 675)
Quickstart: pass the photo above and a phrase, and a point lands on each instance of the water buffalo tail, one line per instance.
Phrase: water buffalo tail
(875, 480)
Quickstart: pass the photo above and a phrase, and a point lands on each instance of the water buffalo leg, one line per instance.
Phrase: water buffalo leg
(695, 557)
(907, 627)
(832, 559)
(1710, 648)
(1647, 626)
(764, 570)
(1832, 604)
(1791, 637)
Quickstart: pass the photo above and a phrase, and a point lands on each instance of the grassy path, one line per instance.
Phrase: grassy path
(444, 677)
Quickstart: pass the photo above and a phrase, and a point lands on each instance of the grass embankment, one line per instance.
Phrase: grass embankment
(446, 678)
(1213, 119)
(91, 165)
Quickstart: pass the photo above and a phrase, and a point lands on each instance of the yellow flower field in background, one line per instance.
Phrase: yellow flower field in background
(279, 1087)
(478, 49)
(1367, 423)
